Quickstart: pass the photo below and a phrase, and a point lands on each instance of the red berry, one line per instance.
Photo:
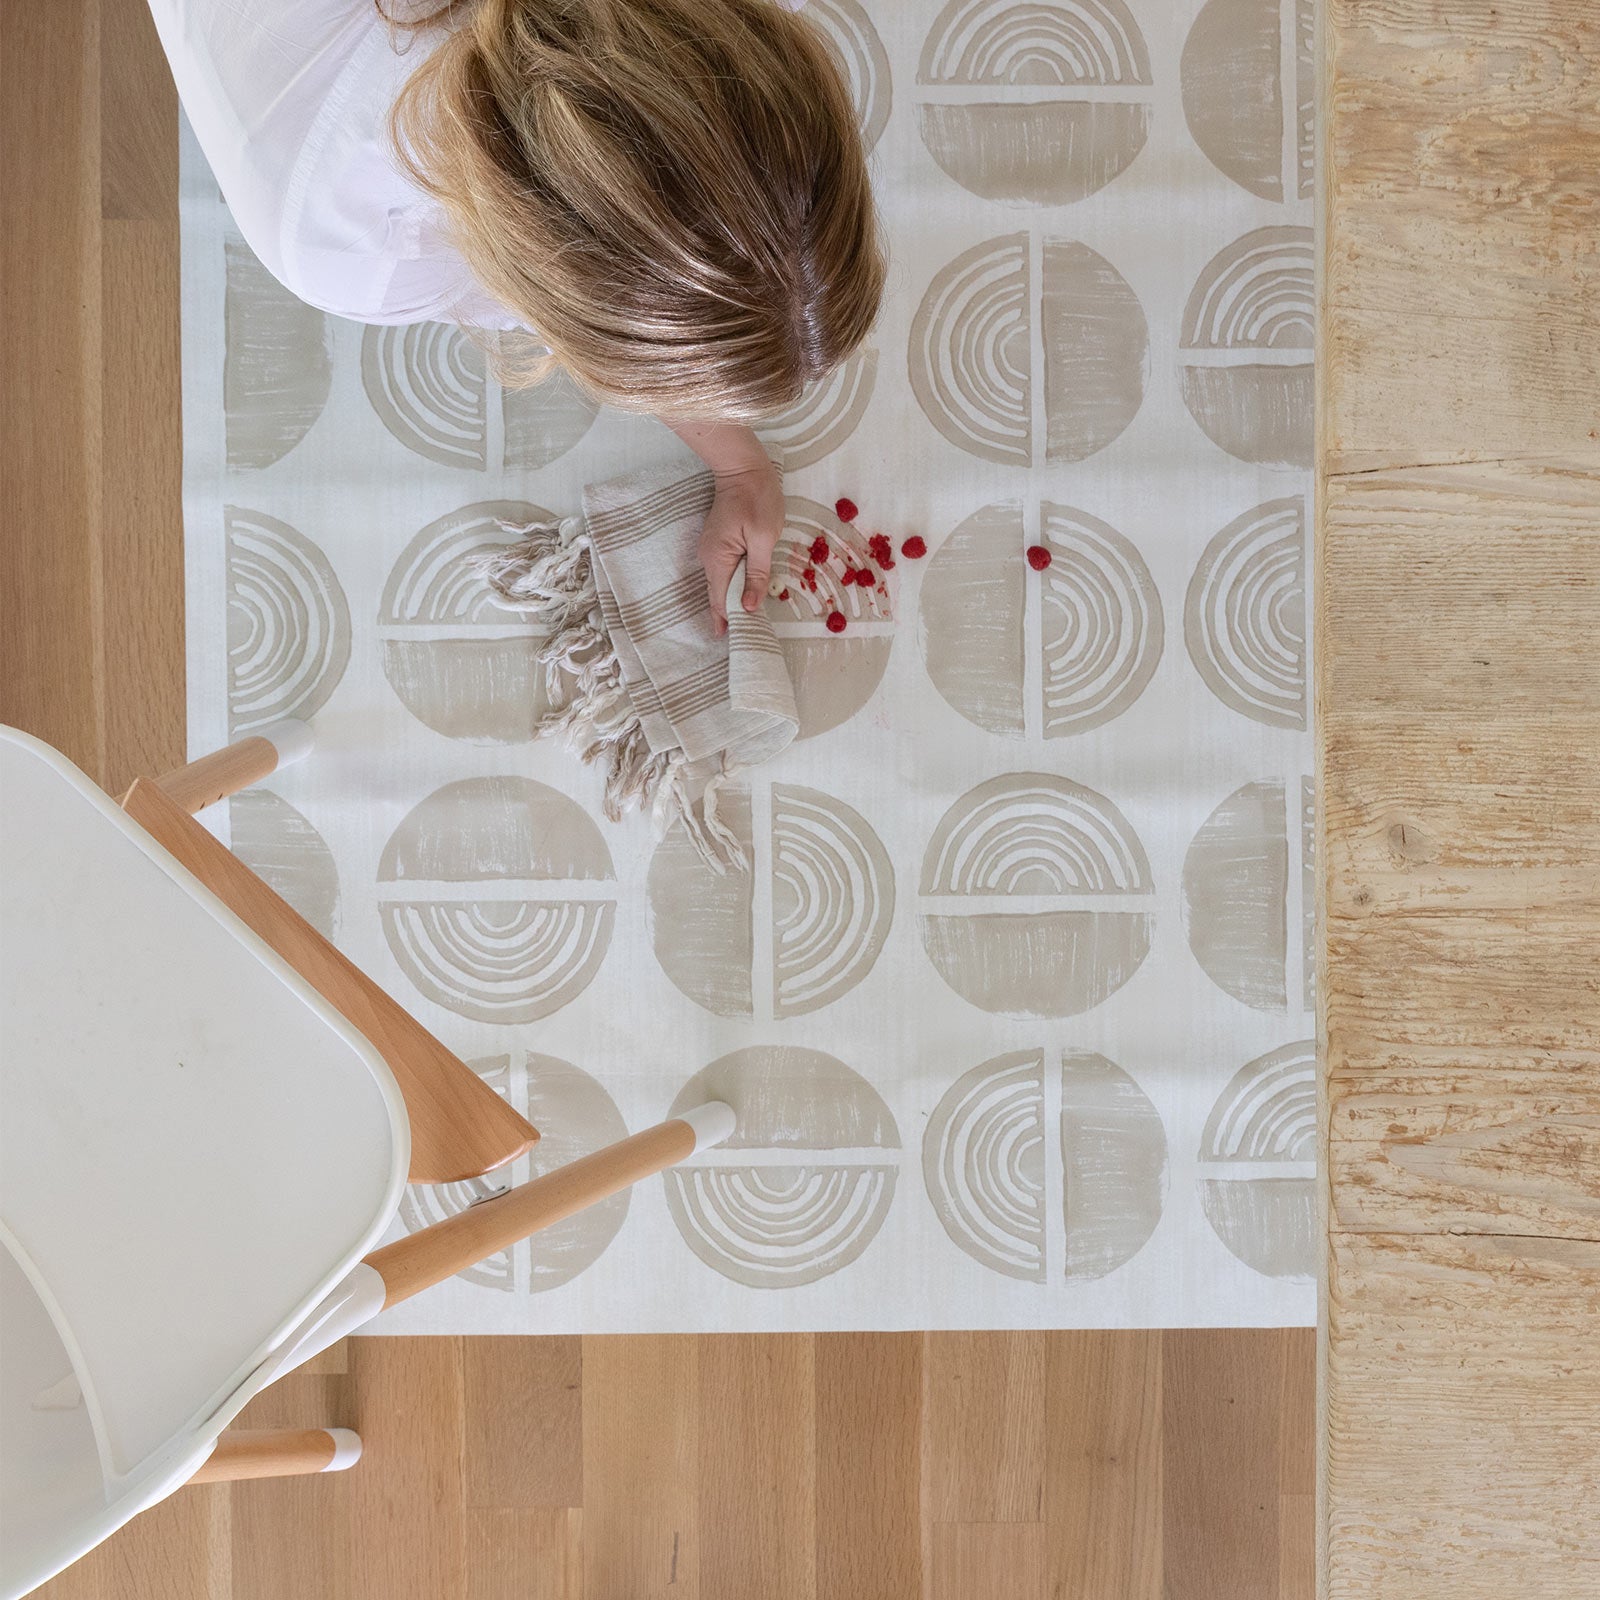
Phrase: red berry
(915, 548)
(846, 510)
(783, 594)
(809, 579)
(882, 551)
(864, 577)
(1038, 557)
(819, 549)
(836, 622)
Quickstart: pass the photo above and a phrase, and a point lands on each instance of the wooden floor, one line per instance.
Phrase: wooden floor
(1125, 1466)
(1460, 713)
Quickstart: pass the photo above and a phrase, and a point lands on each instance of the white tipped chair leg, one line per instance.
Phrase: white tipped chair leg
(237, 766)
(712, 1123)
(431, 1255)
(242, 1453)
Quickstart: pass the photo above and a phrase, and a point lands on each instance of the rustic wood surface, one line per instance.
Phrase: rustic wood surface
(1459, 701)
(1049, 1466)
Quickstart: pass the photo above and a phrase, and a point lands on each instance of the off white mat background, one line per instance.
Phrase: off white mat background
(1016, 1004)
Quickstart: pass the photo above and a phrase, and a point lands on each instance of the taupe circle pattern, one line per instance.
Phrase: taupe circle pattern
(983, 1161)
(1258, 1160)
(866, 64)
(1015, 884)
(830, 903)
(283, 849)
(1047, 151)
(288, 622)
(460, 663)
(1257, 295)
(1236, 879)
(803, 1185)
(1114, 1156)
(834, 675)
(1100, 621)
(498, 898)
(1239, 103)
(972, 351)
(429, 385)
(1245, 615)
(277, 369)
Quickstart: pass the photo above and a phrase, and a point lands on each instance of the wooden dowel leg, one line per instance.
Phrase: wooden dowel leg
(278, 1453)
(431, 1255)
(236, 766)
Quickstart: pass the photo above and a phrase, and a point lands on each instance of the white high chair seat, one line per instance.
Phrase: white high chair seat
(195, 1151)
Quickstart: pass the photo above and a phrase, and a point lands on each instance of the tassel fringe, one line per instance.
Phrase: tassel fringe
(548, 576)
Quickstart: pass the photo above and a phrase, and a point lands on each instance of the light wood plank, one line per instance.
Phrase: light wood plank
(533, 1554)
(1461, 1448)
(405, 1521)
(869, 1455)
(641, 1464)
(523, 1401)
(1220, 1470)
(984, 1429)
(1103, 1412)
(758, 1467)
(970, 1559)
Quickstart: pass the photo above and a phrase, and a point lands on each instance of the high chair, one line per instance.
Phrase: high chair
(207, 1116)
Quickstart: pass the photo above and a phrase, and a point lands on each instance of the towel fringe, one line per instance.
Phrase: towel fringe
(548, 576)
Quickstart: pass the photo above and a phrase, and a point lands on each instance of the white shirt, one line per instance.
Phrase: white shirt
(290, 101)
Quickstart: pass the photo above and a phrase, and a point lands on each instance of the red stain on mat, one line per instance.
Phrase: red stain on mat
(846, 510)
(819, 551)
(915, 548)
(1038, 557)
(836, 622)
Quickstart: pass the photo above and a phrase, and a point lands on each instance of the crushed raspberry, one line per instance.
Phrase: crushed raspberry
(863, 578)
(809, 579)
(846, 510)
(783, 594)
(836, 622)
(882, 550)
(915, 548)
(1038, 557)
(819, 550)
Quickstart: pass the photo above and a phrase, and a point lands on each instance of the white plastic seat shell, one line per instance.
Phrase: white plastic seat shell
(195, 1149)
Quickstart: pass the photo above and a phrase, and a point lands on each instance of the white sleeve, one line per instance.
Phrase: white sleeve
(252, 75)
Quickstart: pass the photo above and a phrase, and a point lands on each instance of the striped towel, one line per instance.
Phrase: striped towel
(636, 674)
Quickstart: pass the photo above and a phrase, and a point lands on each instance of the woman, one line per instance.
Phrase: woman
(667, 198)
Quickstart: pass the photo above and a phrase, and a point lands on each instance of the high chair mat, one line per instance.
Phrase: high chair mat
(1015, 1000)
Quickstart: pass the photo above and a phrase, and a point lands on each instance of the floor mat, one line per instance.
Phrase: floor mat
(1017, 1001)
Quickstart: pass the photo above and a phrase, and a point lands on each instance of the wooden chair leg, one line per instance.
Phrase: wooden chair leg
(279, 1453)
(433, 1254)
(236, 766)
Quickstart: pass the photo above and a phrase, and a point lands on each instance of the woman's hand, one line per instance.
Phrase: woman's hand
(746, 515)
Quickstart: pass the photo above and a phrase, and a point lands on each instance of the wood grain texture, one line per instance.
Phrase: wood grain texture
(870, 1532)
(522, 1447)
(1459, 703)
(1103, 1465)
(985, 1426)
(91, 659)
(267, 1453)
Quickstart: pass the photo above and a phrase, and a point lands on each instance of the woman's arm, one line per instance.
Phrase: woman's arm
(746, 514)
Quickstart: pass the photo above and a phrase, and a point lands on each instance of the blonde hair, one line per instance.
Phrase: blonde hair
(672, 194)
